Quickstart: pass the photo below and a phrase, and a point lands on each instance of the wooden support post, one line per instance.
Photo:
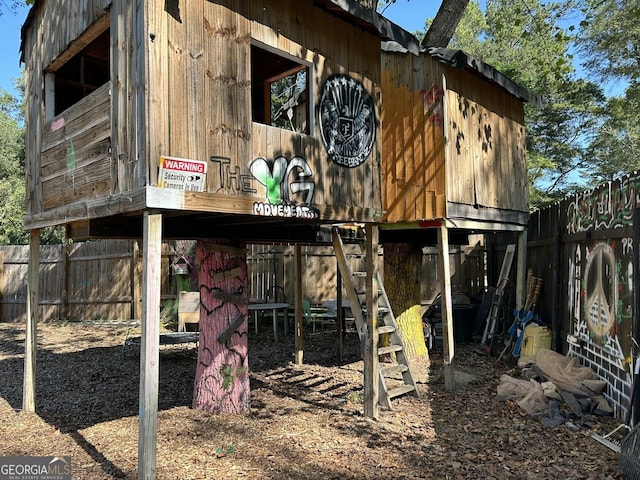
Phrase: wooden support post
(448, 339)
(150, 346)
(341, 327)
(371, 367)
(30, 342)
(3, 284)
(521, 273)
(66, 251)
(298, 305)
(136, 287)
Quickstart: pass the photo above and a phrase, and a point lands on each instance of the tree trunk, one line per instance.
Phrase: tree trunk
(222, 381)
(445, 23)
(402, 266)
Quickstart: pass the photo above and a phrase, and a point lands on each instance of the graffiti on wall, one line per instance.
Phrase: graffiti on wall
(230, 179)
(606, 208)
(284, 181)
(432, 100)
(347, 120)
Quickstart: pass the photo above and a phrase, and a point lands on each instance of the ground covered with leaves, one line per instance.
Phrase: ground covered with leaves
(305, 422)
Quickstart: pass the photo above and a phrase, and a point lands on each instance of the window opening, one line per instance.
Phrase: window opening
(279, 91)
(83, 73)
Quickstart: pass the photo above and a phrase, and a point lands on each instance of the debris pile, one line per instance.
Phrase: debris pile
(557, 389)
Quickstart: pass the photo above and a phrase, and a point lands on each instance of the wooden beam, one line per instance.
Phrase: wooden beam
(371, 367)
(521, 269)
(448, 344)
(229, 331)
(298, 305)
(340, 312)
(150, 346)
(30, 342)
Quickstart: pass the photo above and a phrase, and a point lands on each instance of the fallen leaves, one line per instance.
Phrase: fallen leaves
(300, 426)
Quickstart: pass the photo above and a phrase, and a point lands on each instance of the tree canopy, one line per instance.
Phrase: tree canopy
(579, 136)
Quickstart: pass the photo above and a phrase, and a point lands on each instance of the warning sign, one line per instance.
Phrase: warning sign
(182, 174)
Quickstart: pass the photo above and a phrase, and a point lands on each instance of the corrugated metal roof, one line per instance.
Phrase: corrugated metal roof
(349, 10)
(460, 59)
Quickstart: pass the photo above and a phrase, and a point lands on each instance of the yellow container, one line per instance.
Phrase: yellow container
(536, 337)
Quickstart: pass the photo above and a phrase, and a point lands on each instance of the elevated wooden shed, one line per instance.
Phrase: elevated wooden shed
(453, 140)
(454, 158)
(172, 105)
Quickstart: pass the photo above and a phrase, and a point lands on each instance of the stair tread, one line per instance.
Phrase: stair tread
(396, 392)
(389, 349)
(393, 369)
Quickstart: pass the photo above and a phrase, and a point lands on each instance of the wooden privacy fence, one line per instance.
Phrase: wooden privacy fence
(101, 280)
(586, 250)
(98, 280)
(272, 276)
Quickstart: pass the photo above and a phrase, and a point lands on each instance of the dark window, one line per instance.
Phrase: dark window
(279, 91)
(82, 73)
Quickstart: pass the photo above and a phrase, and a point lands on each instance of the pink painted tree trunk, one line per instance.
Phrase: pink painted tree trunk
(222, 381)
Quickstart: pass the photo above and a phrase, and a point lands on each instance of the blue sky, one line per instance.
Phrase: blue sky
(410, 15)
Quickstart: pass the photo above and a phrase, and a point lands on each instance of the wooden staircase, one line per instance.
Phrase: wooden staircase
(395, 374)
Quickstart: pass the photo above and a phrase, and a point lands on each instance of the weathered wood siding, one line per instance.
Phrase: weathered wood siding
(200, 99)
(486, 162)
(55, 28)
(180, 85)
(76, 158)
(448, 136)
(413, 170)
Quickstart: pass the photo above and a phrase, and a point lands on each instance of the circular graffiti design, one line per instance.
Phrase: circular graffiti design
(347, 120)
(601, 293)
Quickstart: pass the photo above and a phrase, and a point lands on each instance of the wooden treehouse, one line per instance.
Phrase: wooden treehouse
(210, 119)
(233, 121)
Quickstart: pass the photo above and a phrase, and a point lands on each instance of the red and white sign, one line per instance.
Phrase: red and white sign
(182, 174)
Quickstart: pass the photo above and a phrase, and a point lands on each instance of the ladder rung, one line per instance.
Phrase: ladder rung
(386, 329)
(389, 349)
(396, 392)
(392, 370)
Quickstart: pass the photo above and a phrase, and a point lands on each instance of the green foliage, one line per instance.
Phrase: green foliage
(615, 150)
(12, 181)
(609, 38)
(527, 42)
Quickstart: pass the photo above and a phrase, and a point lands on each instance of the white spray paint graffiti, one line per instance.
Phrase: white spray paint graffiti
(598, 310)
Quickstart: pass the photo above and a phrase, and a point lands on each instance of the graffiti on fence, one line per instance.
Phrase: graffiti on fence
(600, 293)
(610, 206)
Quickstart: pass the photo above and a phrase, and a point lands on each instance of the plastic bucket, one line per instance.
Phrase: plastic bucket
(536, 337)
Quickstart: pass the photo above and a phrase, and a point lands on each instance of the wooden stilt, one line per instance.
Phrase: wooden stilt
(341, 328)
(298, 305)
(371, 360)
(521, 269)
(448, 339)
(29, 385)
(150, 346)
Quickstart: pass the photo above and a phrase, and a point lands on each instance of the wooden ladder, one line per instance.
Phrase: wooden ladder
(395, 377)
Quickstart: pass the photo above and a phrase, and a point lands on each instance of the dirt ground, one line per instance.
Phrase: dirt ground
(305, 423)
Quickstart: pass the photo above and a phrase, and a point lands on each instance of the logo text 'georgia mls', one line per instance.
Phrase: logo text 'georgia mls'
(35, 468)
